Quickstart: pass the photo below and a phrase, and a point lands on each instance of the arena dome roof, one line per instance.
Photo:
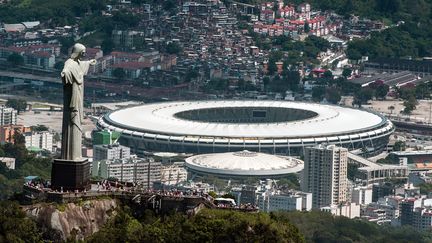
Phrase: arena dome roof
(244, 163)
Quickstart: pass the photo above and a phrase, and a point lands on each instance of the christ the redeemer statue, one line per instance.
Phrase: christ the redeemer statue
(73, 96)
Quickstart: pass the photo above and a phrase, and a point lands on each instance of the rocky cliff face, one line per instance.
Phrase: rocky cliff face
(78, 220)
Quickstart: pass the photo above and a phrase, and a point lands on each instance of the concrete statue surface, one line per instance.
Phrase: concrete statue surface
(73, 95)
(72, 172)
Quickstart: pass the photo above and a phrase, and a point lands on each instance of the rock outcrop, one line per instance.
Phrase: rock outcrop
(76, 220)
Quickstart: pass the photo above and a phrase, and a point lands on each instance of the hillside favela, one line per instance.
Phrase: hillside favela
(216, 121)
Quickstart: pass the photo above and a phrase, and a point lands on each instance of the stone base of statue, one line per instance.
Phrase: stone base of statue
(70, 175)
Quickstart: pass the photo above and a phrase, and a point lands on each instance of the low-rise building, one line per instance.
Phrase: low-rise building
(270, 201)
(143, 171)
(349, 210)
(361, 195)
(39, 140)
(110, 152)
(173, 174)
(8, 116)
(9, 162)
(7, 132)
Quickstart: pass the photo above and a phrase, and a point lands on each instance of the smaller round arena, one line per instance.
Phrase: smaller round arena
(242, 165)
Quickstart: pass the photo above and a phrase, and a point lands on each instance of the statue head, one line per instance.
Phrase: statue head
(78, 50)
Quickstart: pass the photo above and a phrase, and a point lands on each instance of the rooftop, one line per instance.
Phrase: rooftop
(309, 120)
(244, 163)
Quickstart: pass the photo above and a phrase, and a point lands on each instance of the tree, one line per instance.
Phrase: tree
(56, 137)
(18, 138)
(266, 81)
(391, 159)
(362, 96)
(353, 54)
(107, 46)
(306, 27)
(391, 109)
(410, 104)
(348, 7)
(318, 42)
(241, 84)
(381, 91)
(272, 68)
(17, 104)
(212, 194)
(216, 85)
(318, 93)
(169, 5)
(192, 73)
(388, 6)
(39, 128)
(59, 65)
(15, 226)
(292, 79)
(346, 72)
(425, 188)
(119, 73)
(15, 59)
(66, 43)
(328, 74)
(228, 195)
(173, 48)
(333, 95)
(399, 146)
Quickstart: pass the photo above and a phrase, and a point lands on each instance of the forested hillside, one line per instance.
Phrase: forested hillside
(26, 164)
(411, 38)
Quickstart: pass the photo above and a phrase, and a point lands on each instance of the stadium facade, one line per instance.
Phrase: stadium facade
(275, 127)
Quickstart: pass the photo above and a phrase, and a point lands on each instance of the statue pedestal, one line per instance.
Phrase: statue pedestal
(70, 175)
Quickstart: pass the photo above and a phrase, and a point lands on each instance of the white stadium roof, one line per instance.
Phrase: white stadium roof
(244, 163)
(159, 118)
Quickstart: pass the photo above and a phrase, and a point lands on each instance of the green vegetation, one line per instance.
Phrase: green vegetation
(323, 227)
(17, 104)
(15, 226)
(410, 39)
(15, 59)
(173, 48)
(399, 146)
(12, 181)
(207, 226)
(215, 85)
(119, 73)
(39, 128)
(289, 181)
(425, 188)
(229, 226)
(389, 10)
(407, 40)
(392, 158)
(215, 226)
(410, 104)
(54, 12)
(352, 171)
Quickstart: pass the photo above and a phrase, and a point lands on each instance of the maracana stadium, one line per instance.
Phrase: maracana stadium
(275, 127)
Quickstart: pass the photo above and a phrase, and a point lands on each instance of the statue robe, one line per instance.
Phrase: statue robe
(73, 114)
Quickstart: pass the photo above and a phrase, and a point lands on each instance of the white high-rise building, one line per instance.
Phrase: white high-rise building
(40, 140)
(8, 116)
(362, 195)
(110, 152)
(325, 175)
